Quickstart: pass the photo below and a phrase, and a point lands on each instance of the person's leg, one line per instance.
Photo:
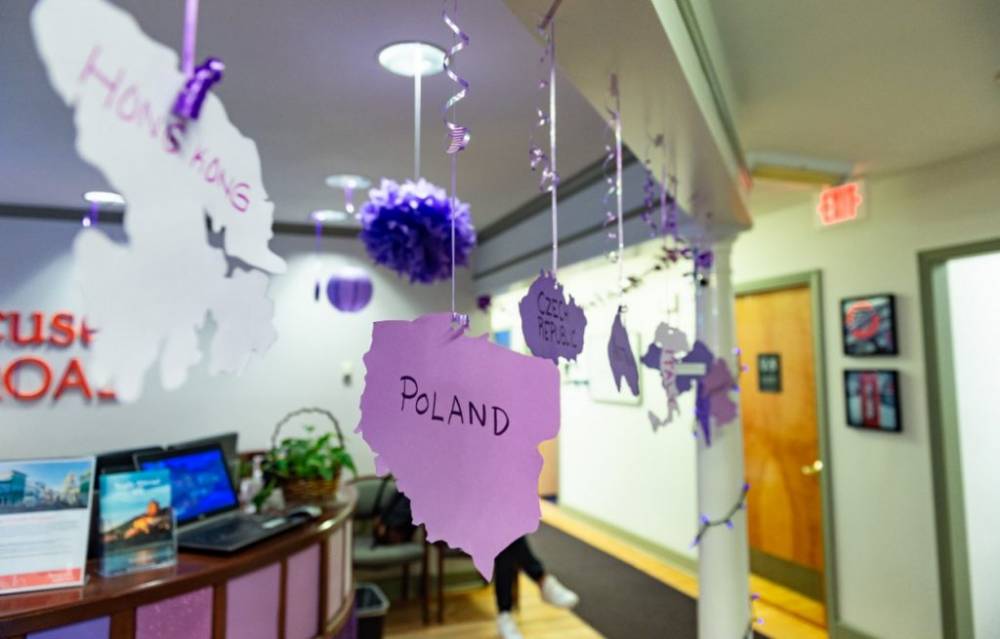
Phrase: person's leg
(504, 573)
(526, 560)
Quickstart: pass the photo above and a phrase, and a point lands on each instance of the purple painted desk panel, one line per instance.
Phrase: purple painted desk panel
(302, 595)
(98, 628)
(188, 616)
(252, 603)
(335, 573)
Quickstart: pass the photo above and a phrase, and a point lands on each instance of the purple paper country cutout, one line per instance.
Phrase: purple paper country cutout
(621, 357)
(700, 354)
(713, 398)
(715, 382)
(671, 342)
(652, 357)
(553, 327)
(458, 421)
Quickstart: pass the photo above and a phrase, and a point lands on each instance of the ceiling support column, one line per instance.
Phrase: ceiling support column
(724, 610)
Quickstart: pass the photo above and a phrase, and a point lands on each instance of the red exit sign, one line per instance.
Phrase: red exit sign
(839, 204)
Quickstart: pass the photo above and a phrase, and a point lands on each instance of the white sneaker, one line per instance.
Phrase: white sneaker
(508, 627)
(558, 595)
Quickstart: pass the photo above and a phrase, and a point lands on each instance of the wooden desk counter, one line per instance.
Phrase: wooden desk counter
(297, 585)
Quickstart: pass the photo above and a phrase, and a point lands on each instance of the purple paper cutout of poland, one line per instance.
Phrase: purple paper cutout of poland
(622, 358)
(553, 327)
(458, 420)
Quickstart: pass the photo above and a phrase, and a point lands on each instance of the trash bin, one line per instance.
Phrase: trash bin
(370, 607)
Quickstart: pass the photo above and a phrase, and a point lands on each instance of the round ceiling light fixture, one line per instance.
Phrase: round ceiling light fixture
(107, 198)
(329, 216)
(347, 181)
(412, 58)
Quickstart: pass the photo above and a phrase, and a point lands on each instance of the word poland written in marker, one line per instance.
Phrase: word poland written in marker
(458, 420)
(553, 326)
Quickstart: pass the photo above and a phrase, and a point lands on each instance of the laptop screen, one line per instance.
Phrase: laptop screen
(199, 481)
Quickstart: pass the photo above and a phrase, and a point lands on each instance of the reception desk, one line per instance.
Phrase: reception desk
(296, 586)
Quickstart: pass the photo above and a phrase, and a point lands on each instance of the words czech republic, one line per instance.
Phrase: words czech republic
(30, 377)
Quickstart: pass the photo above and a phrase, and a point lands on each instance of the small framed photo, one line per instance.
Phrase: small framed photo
(872, 398)
(869, 325)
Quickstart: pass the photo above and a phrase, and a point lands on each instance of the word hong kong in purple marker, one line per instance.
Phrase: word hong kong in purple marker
(553, 327)
(458, 421)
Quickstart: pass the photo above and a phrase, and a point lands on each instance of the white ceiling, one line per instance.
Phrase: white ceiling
(883, 85)
(302, 80)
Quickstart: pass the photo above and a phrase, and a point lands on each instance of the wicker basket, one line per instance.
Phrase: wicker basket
(313, 491)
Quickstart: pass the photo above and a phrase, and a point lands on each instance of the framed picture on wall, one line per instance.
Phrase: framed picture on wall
(869, 325)
(872, 399)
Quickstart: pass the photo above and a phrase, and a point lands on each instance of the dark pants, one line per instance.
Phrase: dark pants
(517, 555)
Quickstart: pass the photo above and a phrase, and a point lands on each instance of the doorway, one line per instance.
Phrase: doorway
(783, 403)
(960, 311)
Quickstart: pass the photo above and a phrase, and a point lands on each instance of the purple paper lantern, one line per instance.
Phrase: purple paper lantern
(349, 290)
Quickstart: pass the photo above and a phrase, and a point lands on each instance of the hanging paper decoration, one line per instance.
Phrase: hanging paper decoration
(699, 364)
(669, 342)
(407, 228)
(622, 357)
(349, 290)
(458, 420)
(553, 326)
(165, 278)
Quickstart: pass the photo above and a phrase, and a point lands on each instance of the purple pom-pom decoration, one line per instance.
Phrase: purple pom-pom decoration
(407, 228)
(349, 290)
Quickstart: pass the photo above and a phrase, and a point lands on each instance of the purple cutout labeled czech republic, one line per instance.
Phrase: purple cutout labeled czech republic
(458, 421)
(553, 327)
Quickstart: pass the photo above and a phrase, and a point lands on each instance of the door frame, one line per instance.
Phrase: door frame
(814, 281)
(946, 463)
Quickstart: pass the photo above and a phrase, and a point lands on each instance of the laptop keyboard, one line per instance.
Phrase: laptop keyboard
(224, 533)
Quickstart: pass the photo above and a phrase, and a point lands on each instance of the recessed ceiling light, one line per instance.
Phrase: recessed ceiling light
(328, 216)
(344, 181)
(412, 58)
(104, 197)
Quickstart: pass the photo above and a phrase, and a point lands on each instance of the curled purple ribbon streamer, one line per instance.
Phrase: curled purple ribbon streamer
(458, 135)
(539, 159)
(192, 96)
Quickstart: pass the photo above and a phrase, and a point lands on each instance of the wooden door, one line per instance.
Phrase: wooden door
(778, 400)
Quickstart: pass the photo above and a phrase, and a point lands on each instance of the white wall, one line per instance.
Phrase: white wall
(303, 368)
(885, 535)
(611, 465)
(974, 313)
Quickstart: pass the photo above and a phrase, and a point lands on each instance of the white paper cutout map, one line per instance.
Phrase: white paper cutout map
(150, 298)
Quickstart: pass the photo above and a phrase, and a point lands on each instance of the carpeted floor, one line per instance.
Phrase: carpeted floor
(617, 600)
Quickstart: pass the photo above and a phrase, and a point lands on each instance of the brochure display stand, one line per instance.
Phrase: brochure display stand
(44, 519)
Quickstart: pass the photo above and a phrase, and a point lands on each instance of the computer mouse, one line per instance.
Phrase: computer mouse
(307, 511)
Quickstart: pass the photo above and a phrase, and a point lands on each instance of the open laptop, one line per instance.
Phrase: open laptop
(228, 441)
(208, 511)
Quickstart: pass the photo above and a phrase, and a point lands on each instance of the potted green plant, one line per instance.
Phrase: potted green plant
(307, 468)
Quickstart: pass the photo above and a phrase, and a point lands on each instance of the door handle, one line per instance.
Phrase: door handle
(814, 468)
